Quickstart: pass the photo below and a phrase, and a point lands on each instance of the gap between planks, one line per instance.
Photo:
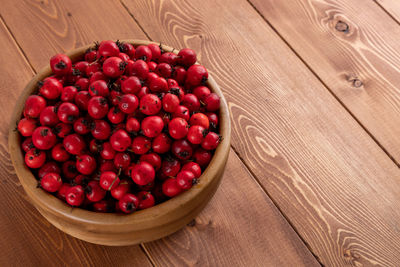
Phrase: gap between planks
(387, 12)
(324, 84)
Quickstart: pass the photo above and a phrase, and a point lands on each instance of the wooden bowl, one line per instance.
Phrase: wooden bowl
(120, 229)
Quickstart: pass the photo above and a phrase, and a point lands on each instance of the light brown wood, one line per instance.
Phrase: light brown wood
(391, 7)
(330, 179)
(27, 238)
(116, 229)
(355, 53)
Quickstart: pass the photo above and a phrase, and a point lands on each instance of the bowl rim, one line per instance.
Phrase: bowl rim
(148, 217)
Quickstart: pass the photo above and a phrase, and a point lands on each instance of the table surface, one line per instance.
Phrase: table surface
(314, 93)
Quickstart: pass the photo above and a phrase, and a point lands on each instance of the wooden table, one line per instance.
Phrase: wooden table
(314, 93)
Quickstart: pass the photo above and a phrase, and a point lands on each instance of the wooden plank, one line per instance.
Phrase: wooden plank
(391, 7)
(289, 251)
(353, 47)
(240, 225)
(330, 179)
(28, 239)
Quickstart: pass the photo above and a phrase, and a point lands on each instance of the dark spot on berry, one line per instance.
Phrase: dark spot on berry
(61, 65)
(71, 118)
(40, 84)
(30, 158)
(130, 206)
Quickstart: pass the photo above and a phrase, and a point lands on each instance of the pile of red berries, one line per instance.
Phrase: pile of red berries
(122, 129)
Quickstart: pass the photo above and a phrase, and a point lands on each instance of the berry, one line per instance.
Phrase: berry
(182, 149)
(170, 102)
(68, 93)
(199, 119)
(120, 140)
(99, 88)
(158, 85)
(62, 191)
(69, 170)
(34, 104)
(196, 75)
(128, 49)
(101, 130)
(161, 143)
(128, 103)
(119, 191)
(169, 58)
(75, 195)
(140, 145)
(26, 126)
(191, 102)
(179, 74)
(171, 188)
(181, 112)
(27, 144)
(155, 51)
(61, 64)
(62, 129)
(196, 134)
(82, 84)
(185, 179)
(192, 167)
(49, 167)
(138, 68)
(107, 151)
(143, 173)
(43, 138)
(115, 115)
(164, 70)
(211, 141)
(143, 52)
(109, 180)
(178, 128)
(35, 158)
(98, 107)
(108, 49)
(212, 102)
(170, 167)
(103, 206)
(50, 88)
(82, 125)
(187, 57)
(114, 67)
(202, 157)
(67, 112)
(132, 125)
(74, 144)
(131, 85)
(86, 164)
(59, 153)
(201, 92)
(152, 158)
(128, 203)
(51, 182)
(152, 126)
(82, 100)
(146, 200)
(150, 104)
(122, 160)
(94, 192)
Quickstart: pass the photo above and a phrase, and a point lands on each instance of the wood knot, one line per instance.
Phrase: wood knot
(69, 14)
(342, 26)
(355, 81)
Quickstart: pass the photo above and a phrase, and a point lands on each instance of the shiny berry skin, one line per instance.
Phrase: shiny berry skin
(150, 104)
(90, 56)
(211, 141)
(182, 149)
(161, 143)
(155, 51)
(115, 97)
(63, 129)
(152, 66)
(120, 140)
(143, 91)
(164, 70)
(61, 64)
(51, 182)
(169, 58)
(199, 119)
(69, 170)
(63, 190)
(128, 103)
(82, 99)
(75, 195)
(109, 180)
(59, 153)
(153, 158)
(132, 125)
(143, 173)
(191, 102)
(98, 107)
(85, 164)
(101, 130)
(124, 57)
(82, 84)
(114, 67)
(108, 49)
(138, 68)
(92, 69)
(128, 203)
(196, 75)
(213, 119)
(196, 134)
(185, 179)
(67, 112)
(171, 188)
(128, 49)
(172, 83)
(26, 126)
(82, 125)
(107, 151)
(27, 144)
(152, 76)
(212, 102)
(187, 57)
(202, 157)
(140, 145)
(170, 102)
(99, 88)
(201, 92)
(48, 167)
(131, 85)
(81, 66)
(119, 191)
(158, 85)
(152, 126)
(115, 115)
(98, 76)
(122, 160)
(146, 200)
(94, 192)
(179, 74)
(50, 88)
(44, 138)
(178, 128)
(181, 112)
(34, 104)
(143, 52)
(192, 167)
(35, 158)
(170, 167)
(74, 144)
(68, 93)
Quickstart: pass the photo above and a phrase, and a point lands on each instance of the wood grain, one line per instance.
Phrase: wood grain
(289, 251)
(28, 239)
(356, 54)
(391, 7)
(332, 181)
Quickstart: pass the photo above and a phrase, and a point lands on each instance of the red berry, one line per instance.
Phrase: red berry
(178, 128)
(103, 206)
(187, 57)
(120, 140)
(69, 170)
(34, 104)
(140, 145)
(124, 57)
(169, 58)
(49, 167)
(26, 126)
(196, 75)
(61, 64)
(152, 158)
(90, 55)
(143, 173)
(43, 138)
(59, 153)
(128, 203)
(108, 49)
(146, 200)
(114, 67)
(82, 125)
(122, 160)
(132, 125)
(138, 68)
(75, 195)
(171, 188)
(63, 129)
(199, 119)
(81, 66)
(82, 99)
(192, 167)
(179, 74)
(98, 76)
(158, 85)
(185, 179)
(63, 190)
(131, 85)
(101, 129)
(212, 102)
(27, 144)
(211, 141)
(94, 192)
(68, 93)
(170, 167)
(67, 112)
(150, 104)
(143, 52)
(172, 83)
(107, 151)
(128, 103)
(92, 69)
(107, 165)
(35, 158)
(82, 84)
(86, 164)
(196, 134)
(152, 126)
(182, 149)
(50, 88)
(152, 66)
(181, 112)
(115, 96)
(109, 180)
(74, 144)
(128, 49)
(115, 115)
(143, 91)
(99, 88)
(155, 51)
(170, 102)
(98, 107)
(202, 157)
(162, 143)
(164, 70)
(51, 182)
(213, 118)
(119, 191)
(201, 92)
(191, 102)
